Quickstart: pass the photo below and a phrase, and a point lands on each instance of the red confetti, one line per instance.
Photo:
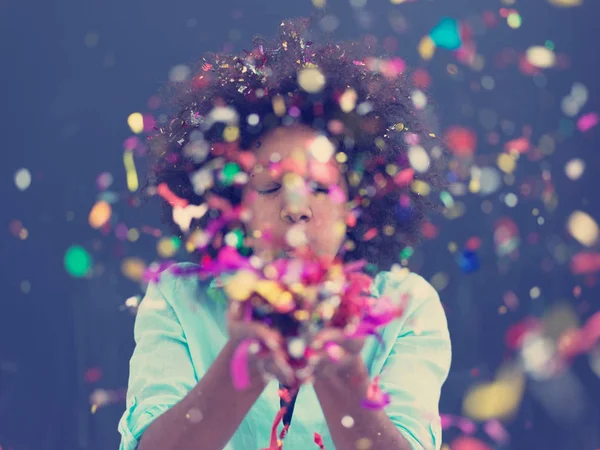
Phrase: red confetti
(461, 141)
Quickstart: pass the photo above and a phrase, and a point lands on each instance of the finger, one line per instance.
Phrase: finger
(271, 338)
(324, 336)
(276, 366)
(235, 311)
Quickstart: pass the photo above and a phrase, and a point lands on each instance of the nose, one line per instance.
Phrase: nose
(295, 214)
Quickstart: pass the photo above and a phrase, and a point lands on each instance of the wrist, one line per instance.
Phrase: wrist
(257, 381)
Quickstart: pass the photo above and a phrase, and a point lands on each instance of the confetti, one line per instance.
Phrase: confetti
(587, 122)
(497, 400)
(583, 228)
(541, 57)
(78, 261)
(132, 178)
(446, 35)
(100, 214)
(22, 179)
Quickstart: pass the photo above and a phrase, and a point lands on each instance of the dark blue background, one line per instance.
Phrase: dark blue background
(64, 107)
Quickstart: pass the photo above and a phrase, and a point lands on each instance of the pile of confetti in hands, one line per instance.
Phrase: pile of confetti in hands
(301, 298)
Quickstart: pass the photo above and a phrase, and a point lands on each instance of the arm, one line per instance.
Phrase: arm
(209, 424)
(172, 404)
(340, 395)
(412, 373)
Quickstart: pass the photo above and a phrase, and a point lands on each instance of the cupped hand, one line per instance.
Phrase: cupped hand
(333, 350)
(267, 355)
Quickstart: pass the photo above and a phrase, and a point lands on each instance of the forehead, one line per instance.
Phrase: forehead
(286, 142)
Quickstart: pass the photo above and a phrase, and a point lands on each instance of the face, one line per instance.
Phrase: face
(296, 196)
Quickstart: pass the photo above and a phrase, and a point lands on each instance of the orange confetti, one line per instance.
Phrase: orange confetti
(100, 214)
(176, 202)
(519, 145)
(468, 443)
(404, 177)
(370, 234)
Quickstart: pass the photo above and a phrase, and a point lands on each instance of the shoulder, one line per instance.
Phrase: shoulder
(403, 282)
(174, 287)
(423, 308)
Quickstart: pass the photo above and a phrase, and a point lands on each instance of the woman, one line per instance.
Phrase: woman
(326, 144)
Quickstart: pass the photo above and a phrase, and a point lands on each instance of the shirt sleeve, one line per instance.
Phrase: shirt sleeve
(416, 369)
(161, 371)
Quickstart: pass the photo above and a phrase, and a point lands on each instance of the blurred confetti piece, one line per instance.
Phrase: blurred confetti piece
(240, 286)
(583, 228)
(499, 399)
(496, 431)
(585, 263)
(104, 180)
(22, 179)
(136, 122)
(184, 216)
(426, 48)
(100, 214)
(587, 122)
(132, 178)
(540, 57)
(77, 261)
(311, 80)
(133, 268)
(519, 145)
(574, 169)
(446, 35)
(468, 443)
(566, 3)
(168, 246)
(461, 141)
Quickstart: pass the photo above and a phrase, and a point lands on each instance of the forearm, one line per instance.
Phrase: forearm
(222, 409)
(341, 395)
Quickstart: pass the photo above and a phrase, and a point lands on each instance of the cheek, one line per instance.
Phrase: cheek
(263, 213)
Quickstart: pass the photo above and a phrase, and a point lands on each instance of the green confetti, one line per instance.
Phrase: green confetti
(406, 253)
(447, 199)
(77, 261)
(446, 34)
(230, 170)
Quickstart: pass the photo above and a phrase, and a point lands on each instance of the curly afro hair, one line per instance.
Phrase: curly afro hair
(391, 160)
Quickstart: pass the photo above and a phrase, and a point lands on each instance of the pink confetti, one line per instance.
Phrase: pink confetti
(376, 398)
(240, 372)
(587, 122)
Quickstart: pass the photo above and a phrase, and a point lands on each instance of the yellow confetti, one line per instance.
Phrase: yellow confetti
(506, 163)
(231, 133)
(167, 247)
(311, 80)
(540, 57)
(497, 400)
(136, 122)
(100, 214)
(348, 100)
(426, 48)
(132, 178)
(566, 3)
(240, 286)
(133, 268)
(420, 187)
(274, 294)
(583, 228)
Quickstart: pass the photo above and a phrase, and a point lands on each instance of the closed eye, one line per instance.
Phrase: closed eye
(270, 190)
(321, 189)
